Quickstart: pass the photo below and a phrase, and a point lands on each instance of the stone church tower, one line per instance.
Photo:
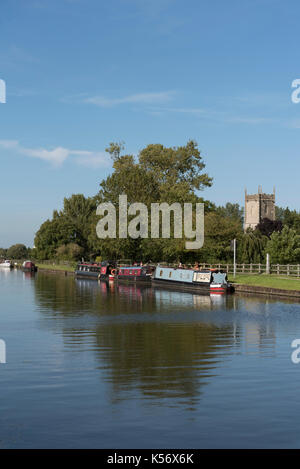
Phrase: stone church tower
(257, 207)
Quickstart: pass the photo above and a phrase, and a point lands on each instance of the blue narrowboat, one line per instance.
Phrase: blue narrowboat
(206, 280)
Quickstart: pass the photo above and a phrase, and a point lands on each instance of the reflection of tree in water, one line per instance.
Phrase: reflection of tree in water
(161, 355)
(162, 359)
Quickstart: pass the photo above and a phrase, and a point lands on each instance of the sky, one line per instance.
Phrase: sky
(80, 74)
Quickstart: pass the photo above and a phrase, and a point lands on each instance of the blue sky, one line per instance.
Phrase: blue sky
(82, 73)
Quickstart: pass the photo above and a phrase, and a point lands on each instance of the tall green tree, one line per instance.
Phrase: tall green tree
(251, 247)
(158, 174)
(17, 251)
(70, 225)
(284, 247)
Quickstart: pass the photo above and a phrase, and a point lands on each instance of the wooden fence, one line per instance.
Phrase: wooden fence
(292, 270)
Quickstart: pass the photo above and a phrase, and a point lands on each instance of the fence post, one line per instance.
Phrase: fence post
(268, 264)
(298, 270)
(251, 268)
(259, 268)
(288, 269)
(277, 269)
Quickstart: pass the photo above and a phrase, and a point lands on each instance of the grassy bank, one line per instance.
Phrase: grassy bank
(263, 280)
(65, 268)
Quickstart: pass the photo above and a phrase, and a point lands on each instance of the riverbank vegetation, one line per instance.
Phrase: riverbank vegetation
(161, 174)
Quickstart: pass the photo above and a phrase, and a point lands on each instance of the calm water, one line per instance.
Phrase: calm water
(90, 366)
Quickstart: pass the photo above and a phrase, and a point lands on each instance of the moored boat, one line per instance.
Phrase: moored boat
(6, 264)
(108, 270)
(206, 281)
(29, 266)
(88, 270)
(134, 273)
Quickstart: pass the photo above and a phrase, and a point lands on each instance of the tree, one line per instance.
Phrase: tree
(251, 247)
(290, 218)
(219, 231)
(159, 174)
(233, 211)
(17, 251)
(284, 247)
(266, 227)
(3, 253)
(70, 225)
(70, 252)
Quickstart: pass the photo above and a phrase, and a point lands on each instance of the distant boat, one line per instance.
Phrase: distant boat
(206, 280)
(29, 266)
(7, 264)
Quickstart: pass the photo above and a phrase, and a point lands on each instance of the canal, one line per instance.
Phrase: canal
(95, 366)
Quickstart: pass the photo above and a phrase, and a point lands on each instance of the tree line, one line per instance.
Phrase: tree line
(162, 174)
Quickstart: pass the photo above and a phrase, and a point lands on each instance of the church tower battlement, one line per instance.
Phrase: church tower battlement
(258, 207)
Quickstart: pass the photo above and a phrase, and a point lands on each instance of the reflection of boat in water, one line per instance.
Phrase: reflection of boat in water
(6, 264)
(203, 281)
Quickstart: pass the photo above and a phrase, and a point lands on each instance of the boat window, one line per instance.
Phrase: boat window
(161, 273)
(170, 274)
(202, 277)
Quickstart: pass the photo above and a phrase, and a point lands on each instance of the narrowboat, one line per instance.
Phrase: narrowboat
(90, 270)
(204, 281)
(29, 266)
(134, 273)
(108, 270)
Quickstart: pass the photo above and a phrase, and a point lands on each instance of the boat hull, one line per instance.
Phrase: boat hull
(134, 278)
(89, 275)
(181, 286)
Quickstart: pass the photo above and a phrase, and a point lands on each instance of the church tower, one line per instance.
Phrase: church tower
(258, 207)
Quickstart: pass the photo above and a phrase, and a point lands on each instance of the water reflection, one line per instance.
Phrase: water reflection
(161, 342)
(136, 345)
(115, 358)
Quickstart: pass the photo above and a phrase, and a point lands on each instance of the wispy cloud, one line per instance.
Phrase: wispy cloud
(214, 115)
(59, 155)
(139, 98)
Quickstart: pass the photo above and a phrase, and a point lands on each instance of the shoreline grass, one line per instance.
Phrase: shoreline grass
(263, 280)
(64, 268)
